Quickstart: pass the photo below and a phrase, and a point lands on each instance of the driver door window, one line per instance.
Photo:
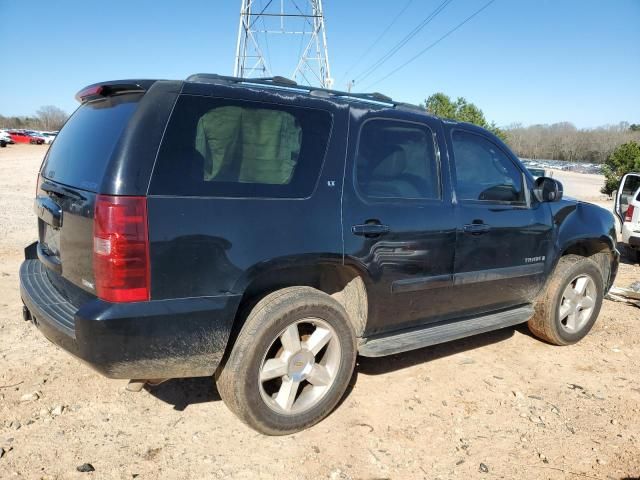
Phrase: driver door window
(484, 172)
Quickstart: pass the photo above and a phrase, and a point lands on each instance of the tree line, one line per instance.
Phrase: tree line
(47, 118)
(558, 141)
(563, 141)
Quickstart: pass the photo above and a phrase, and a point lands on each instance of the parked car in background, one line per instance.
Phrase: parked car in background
(49, 137)
(24, 137)
(627, 209)
(46, 139)
(7, 138)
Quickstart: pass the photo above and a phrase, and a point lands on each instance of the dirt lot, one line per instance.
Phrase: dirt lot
(499, 405)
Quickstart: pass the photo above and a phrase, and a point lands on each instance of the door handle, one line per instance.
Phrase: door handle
(476, 228)
(49, 211)
(370, 229)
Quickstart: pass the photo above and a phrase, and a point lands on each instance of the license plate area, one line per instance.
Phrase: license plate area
(49, 239)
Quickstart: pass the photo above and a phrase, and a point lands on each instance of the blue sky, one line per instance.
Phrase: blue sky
(528, 61)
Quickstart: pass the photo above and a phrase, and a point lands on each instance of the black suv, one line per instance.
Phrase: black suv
(266, 233)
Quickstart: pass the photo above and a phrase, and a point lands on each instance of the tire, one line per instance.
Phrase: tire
(265, 363)
(563, 316)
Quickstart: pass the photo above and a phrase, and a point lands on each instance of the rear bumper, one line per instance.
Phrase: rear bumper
(629, 234)
(155, 339)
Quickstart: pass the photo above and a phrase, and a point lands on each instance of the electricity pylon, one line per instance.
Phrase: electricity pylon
(291, 20)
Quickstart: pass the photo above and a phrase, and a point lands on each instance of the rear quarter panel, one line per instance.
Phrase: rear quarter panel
(206, 246)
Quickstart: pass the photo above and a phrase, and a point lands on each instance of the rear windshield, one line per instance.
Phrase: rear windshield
(82, 149)
(218, 147)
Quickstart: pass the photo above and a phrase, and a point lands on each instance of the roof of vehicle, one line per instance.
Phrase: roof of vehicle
(373, 99)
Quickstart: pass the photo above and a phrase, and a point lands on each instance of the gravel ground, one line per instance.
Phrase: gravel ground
(499, 405)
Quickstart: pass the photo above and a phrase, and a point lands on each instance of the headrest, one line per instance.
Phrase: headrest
(394, 164)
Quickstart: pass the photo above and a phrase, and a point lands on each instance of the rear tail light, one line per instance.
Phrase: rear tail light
(121, 249)
(629, 215)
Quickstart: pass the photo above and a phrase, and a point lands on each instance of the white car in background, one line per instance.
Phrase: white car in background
(48, 137)
(627, 209)
(5, 139)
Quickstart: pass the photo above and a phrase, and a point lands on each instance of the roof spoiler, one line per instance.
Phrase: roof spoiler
(105, 89)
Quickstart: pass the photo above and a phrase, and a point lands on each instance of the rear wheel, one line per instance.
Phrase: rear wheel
(569, 307)
(291, 362)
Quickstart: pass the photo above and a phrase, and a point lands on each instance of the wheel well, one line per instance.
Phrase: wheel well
(597, 251)
(341, 282)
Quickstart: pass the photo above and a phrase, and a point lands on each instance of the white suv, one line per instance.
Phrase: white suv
(4, 138)
(627, 208)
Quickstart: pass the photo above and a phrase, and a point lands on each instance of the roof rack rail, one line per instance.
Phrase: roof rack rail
(278, 81)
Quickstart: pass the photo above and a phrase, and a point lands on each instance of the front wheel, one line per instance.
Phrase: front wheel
(291, 363)
(570, 305)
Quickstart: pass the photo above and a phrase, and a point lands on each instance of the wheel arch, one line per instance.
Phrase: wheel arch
(589, 231)
(599, 249)
(328, 274)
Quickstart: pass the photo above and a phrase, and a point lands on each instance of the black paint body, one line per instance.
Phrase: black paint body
(206, 253)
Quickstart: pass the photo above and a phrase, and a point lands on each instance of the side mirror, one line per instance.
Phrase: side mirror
(548, 190)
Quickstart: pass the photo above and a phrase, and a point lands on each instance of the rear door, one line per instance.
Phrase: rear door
(398, 222)
(503, 238)
(628, 187)
(70, 177)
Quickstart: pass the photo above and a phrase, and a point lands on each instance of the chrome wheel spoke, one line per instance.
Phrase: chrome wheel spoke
(273, 368)
(319, 376)
(287, 393)
(318, 339)
(565, 309)
(572, 320)
(587, 303)
(290, 338)
(581, 285)
(570, 293)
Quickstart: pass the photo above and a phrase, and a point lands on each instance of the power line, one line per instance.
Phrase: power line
(404, 41)
(429, 47)
(377, 40)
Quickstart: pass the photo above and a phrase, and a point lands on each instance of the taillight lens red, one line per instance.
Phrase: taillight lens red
(121, 249)
(629, 215)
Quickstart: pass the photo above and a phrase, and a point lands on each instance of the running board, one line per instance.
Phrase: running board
(433, 334)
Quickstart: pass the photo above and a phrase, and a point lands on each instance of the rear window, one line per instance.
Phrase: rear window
(218, 147)
(83, 148)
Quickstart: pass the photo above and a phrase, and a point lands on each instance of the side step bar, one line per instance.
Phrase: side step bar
(433, 334)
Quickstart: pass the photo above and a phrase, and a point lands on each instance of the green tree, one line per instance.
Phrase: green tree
(461, 110)
(624, 159)
(441, 105)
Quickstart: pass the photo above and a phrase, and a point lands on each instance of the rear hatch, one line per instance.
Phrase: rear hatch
(70, 180)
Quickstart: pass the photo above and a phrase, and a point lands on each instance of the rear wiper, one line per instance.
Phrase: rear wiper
(60, 191)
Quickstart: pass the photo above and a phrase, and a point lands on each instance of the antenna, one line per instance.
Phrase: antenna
(297, 24)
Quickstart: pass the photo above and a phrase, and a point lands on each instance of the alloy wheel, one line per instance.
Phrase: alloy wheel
(578, 301)
(300, 366)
